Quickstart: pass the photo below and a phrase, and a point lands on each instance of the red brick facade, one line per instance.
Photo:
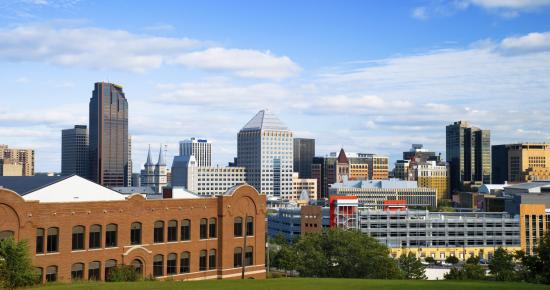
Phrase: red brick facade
(25, 220)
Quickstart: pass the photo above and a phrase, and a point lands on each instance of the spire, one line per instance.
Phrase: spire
(265, 120)
(161, 161)
(149, 163)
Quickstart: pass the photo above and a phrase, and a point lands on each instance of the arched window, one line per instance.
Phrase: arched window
(171, 264)
(95, 237)
(248, 257)
(53, 241)
(158, 236)
(212, 228)
(78, 238)
(39, 272)
(185, 230)
(184, 262)
(238, 257)
(212, 259)
(172, 231)
(51, 274)
(138, 266)
(202, 260)
(111, 233)
(158, 265)
(238, 227)
(39, 241)
(203, 231)
(249, 226)
(109, 266)
(77, 271)
(93, 271)
(135, 233)
(6, 235)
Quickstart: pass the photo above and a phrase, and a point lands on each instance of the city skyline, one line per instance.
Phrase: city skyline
(380, 77)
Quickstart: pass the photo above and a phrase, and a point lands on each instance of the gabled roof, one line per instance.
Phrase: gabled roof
(264, 120)
(342, 158)
(25, 184)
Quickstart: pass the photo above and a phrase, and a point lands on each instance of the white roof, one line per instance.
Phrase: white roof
(265, 120)
(73, 189)
(179, 192)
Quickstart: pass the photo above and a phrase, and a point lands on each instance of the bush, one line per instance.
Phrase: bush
(430, 260)
(123, 273)
(451, 260)
(16, 269)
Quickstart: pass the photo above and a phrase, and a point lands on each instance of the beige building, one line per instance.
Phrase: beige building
(432, 174)
(528, 162)
(25, 157)
(9, 167)
(300, 185)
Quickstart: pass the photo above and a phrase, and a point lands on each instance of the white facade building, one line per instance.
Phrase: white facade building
(265, 148)
(200, 148)
(301, 187)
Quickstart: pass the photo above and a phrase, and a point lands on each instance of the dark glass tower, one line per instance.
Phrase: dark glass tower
(304, 151)
(109, 135)
(74, 151)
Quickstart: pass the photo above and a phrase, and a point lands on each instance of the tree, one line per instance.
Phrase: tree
(542, 251)
(123, 273)
(429, 260)
(470, 271)
(16, 269)
(502, 265)
(411, 267)
(451, 260)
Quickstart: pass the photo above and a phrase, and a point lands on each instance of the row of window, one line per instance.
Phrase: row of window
(207, 229)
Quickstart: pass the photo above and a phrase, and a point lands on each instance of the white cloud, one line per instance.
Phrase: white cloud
(244, 62)
(506, 9)
(531, 42)
(420, 13)
(511, 4)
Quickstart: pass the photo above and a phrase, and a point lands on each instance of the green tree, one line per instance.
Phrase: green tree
(123, 273)
(429, 260)
(16, 269)
(502, 265)
(542, 251)
(451, 260)
(470, 271)
(411, 267)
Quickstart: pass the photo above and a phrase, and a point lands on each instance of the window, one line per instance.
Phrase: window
(172, 231)
(93, 271)
(238, 257)
(138, 266)
(135, 234)
(51, 273)
(184, 262)
(203, 232)
(95, 237)
(109, 266)
(39, 241)
(158, 266)
(212, 228)
(111, 235)
(53, 241)
(185, 230)
(77, 271)
(202, 261)
(6, 234)
(159, 232)
(171, 264)
(249, 226)
(78, 238)
(248, 257)
(238, 227)
(212, 259)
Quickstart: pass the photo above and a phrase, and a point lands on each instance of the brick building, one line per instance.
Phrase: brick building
(94, 229)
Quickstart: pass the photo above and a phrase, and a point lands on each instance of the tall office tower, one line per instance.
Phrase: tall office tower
(25, 157)
(264, 148)
(74, 151)
(304, 151)
(129, 172)
(499, 164)
(200, 148)
(469, 155)
(109, 136)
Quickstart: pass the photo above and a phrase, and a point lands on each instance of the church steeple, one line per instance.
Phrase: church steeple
(161, 161)
(149, 162)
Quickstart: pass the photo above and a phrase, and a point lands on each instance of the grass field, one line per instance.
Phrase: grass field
(302, 284)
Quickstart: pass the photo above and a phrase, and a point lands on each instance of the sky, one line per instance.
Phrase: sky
(368, 76)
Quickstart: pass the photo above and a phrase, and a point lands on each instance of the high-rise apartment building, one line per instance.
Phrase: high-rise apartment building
(265, 149)
(200, 148)
(108, 125)
(9, 167)
(304, 151)
(469, 155)
(74, 151)
(25, 157)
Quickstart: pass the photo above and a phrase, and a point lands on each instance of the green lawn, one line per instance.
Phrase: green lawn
(303, 284)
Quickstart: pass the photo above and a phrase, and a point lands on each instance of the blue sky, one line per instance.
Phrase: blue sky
(369, 76)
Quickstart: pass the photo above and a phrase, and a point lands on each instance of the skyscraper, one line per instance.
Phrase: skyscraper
(264, 148)
(200, 148)
(469, 155)
(304, 151)
(109, 135)
(74, 151)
